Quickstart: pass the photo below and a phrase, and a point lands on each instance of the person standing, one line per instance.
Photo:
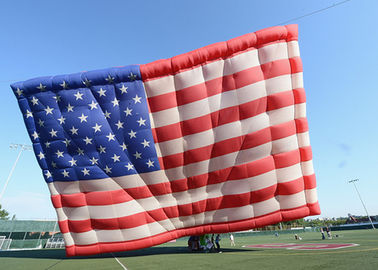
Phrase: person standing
(322, 232)
(217, 240)
(232, 240)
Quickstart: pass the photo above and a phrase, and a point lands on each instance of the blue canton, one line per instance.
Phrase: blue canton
(89, 125)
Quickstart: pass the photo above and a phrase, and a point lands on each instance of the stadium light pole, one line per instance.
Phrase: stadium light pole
(359, 195)
(22, 147)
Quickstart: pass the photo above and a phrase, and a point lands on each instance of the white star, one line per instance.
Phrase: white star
(41, 87)
(47, 144)
(83, 118)
(35, 135)
(69, 108)
(19, 91)
(41, 155)
(85, 171)
(107, 169)
(115, 102)
(110, 137)
(150, 163)
(93, 105)
(94, 160)
(132, 77)
(128, 111)
(67, 142)
(97, 127)
(29, 114)
(87, 140)
(137, 99)
(129, 166)
(141, 122)
(107, 114)
(132, 134)
(53, 164)
(137, 155)
(102, 149)
(64, 85)
(73, 162)
(115, 158)
(48, 110)
(59, 154)
(110, 79)
(87, 82)
(123, 89)
(80, 152)
(41, 123)
(119, 124)
(65, 173)
(74, 130)
(78, 95)
(101, 92)
(57, 98)
(145, 143)
(34, 100)
(48, 174)
(123, 146)
(53, 133)
(61, 120)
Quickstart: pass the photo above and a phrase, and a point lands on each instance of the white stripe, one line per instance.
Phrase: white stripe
(286, 144)
(297, 80)
(293, 49)
(180, 198)
(292, 201)
(289, 173)
(217, 134)
(138, 180)
(222, 215)
(307, 167)
(303, 139)
(226, 131)
(99, 211)
(222, 101)
(311, 195)
(256, 182)
(273, 52)
(219, 68)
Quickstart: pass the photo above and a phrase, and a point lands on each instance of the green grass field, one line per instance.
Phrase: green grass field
(176, 256)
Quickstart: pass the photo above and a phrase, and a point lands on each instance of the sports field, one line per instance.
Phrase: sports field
(176, 256)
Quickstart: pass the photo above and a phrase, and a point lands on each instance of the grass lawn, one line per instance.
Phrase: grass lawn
(176, 256)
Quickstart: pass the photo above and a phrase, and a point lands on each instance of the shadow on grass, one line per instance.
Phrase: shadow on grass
(60, 254)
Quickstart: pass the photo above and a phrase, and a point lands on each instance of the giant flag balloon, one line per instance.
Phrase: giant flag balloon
(211, 141)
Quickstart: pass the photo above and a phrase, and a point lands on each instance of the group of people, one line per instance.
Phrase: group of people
(207, 242)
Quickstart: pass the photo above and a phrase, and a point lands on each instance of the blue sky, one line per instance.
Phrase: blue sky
(338, 48)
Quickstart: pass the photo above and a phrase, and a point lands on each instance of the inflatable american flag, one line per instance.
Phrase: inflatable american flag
(215, 140)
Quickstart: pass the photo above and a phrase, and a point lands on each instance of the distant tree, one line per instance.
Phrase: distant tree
(4, 214)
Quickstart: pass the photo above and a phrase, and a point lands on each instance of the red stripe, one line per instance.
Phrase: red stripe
(229, 146)
(223, 202)
(309, 181)
(299, 95)
(214, 52)
(302, 125)
(237, 172)
(90, 198)
(224, 116)
(223, 84)
(239, 225)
